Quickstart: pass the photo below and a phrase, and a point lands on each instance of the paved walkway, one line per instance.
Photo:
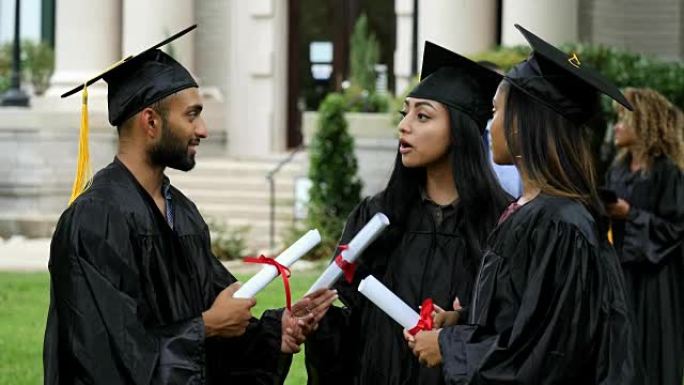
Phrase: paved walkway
(22, 254)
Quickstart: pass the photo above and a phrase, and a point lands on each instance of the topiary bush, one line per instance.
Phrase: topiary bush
(336, 188)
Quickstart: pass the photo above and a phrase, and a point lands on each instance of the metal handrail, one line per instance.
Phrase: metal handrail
(270, 176)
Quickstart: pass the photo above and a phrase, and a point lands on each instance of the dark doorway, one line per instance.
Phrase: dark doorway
(330, 23)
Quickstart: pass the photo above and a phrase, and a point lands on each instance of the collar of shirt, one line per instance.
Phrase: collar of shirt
(166, 190)
(439, 212)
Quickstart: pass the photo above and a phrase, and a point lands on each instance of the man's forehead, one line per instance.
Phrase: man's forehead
(185, 98)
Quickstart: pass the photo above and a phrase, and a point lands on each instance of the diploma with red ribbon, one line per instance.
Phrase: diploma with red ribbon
(392, 305)
(345, 261)
(426, 321)
(283, 271)
(278, 266)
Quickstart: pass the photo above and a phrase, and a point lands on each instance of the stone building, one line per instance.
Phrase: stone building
(251, 59)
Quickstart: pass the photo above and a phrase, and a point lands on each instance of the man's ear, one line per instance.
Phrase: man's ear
(151, 122)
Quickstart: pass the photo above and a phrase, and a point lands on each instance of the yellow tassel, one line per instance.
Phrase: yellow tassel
(83, 171)
(610, 234)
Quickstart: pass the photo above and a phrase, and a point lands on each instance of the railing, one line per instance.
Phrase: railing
(270, 176)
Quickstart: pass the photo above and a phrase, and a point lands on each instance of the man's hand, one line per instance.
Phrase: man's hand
(228, 316)
(304, 318)
(618, 210)
(425, 346)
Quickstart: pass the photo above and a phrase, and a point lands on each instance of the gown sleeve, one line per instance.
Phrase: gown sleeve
(255, 356)
(651, 236)
(95, 333)
(569, 314)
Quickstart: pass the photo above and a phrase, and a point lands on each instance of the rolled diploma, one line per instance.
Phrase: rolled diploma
(388, 302)
(355, 248)
(268, 273)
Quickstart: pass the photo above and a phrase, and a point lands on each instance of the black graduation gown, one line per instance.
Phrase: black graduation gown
(359, 344)
(548, 306)
(650, 246)
(127, 293)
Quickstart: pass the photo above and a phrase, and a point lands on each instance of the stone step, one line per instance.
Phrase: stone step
(237, 210)
(257, 236)
(236, 193)
(283, 197)
(230, 182)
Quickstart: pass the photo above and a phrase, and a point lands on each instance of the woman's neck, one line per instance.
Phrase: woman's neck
(439, 183)
(636, 160)
(530, 191)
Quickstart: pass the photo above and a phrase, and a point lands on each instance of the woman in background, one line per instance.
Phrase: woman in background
(648, 227)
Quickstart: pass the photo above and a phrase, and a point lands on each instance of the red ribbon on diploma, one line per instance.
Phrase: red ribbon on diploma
(425, 321)
(348, 268)
(283, 271)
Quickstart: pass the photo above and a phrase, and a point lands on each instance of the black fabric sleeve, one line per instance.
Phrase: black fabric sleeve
(652, 236)
(571, 318)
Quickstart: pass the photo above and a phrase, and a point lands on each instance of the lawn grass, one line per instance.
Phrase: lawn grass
(24, 299)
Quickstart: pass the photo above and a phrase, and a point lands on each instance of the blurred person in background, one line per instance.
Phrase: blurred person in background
(648, 227)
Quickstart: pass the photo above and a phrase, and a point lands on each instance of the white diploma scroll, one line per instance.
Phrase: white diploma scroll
(268, 273)
(388, 302)
(355, 248)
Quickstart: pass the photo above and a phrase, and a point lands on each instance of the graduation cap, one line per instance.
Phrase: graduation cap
(457, 82)
(134, 83)
(561, 82)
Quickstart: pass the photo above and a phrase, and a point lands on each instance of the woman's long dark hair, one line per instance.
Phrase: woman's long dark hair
(481, 198)
(554, 152)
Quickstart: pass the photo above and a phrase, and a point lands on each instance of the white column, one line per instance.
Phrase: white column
(556, 21)
(146, 22)
(257, 89)
(464, 26)
(88, 40)
(404, 45)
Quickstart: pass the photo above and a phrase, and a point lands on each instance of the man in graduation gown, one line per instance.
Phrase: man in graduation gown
(137, 297)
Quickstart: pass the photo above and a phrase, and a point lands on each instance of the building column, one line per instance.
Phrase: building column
(87, 41)
(257, 91)
(150, 21)
(556, 21)
(403, 51)
(464, 26)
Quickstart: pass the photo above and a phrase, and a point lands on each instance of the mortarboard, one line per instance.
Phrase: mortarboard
(134, 83)
(457, 82)
(561, 82)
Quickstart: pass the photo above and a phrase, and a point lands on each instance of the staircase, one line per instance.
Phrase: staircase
(236, 192)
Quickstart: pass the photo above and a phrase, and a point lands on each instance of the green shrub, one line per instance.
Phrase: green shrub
(336, 188)
(361, 95)
(227, 242)
(504, 57)
(37, 65)
(360, 100)
(364, 52)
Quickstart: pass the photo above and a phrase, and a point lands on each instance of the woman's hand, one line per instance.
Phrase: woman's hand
(618, 210)
(425, 346)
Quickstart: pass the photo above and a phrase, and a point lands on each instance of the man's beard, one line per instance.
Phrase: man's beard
(171, 151)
